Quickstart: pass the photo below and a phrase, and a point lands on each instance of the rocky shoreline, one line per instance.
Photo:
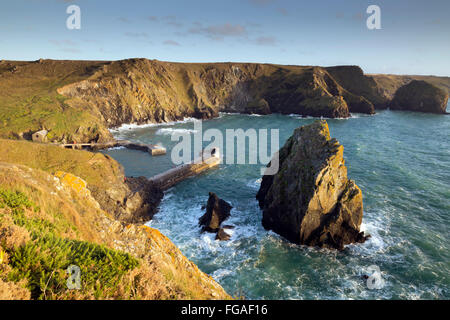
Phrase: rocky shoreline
(99, 95)
(310, 201)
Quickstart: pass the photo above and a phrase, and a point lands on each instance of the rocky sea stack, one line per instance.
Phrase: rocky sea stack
(217, 211)
(310, 200)
(420, 96)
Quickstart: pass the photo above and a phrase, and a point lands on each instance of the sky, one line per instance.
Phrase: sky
(414, 37)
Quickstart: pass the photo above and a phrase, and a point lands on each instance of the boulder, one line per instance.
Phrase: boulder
(258, 107)
(205, 112)
(222, 235)
(420, 96)
(217, 211)
(310, 200)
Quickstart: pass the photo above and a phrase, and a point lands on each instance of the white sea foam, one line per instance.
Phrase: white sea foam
(220, 273)
(263, 264)
(132, 126)
(254, 184)
(169, 131)
(301, 117)
(229, 113)
(116, 148)
(356, 115)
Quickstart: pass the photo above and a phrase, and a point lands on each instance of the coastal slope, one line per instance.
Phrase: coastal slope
(78, 101)
(53, 215)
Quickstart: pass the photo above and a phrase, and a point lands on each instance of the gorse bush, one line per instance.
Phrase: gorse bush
(15, 200)
(43, 261)
(44, 264)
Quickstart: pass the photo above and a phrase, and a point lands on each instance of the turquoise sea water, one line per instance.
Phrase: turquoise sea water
(401, 162)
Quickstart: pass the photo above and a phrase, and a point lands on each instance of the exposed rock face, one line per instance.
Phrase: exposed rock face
(107, 94)
(143, 201)
(363, 94)
(135, 201)
(260, 106)
(217, 211)
(222, 235)
(388, 84)
(140, 91)
(420, 96)
(205, 112)
(310, 200)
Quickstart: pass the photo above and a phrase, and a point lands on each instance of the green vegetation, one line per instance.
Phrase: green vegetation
(47, 225)
(15, 200)
(79, 100)
(29, 100)
(95, 168)
(43, 260)
(44, 264)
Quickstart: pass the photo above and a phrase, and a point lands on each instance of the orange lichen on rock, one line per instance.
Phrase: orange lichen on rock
(76, 183)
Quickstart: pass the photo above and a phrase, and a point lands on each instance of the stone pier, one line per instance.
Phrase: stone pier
(167, 179)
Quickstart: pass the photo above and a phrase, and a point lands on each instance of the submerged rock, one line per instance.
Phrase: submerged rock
(217, 211)
(420, 96)
(310, 200)
(222, 235)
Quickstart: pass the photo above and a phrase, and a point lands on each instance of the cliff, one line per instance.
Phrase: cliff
(419, 95)
(310, 200)
(141, 90)
(51, 218)
(131, 200)
(79, 100)
(388, 84)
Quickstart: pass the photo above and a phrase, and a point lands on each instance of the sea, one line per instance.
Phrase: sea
(401, 162)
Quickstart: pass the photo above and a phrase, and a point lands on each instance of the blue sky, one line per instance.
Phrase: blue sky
(414, 38)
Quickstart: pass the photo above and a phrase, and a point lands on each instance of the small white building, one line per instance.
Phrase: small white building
(40, 136)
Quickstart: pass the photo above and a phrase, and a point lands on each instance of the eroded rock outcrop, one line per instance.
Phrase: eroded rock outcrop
(140, 91)
(258, 106)
(217, 211)
(420, 96)
(310, 200)
(130, 200)
(362, 92)
(143, 201)
(107, 94)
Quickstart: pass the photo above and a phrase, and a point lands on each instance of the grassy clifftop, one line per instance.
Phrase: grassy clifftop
(49, 221)
(29, 100)
(96, 168)
(77, 101)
